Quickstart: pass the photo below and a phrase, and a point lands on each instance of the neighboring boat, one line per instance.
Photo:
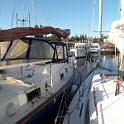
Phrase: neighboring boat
(107, 90)
(35, 74)
(100, 98)
(108, 51)
(109, 48)
(106, 99)
(95, 48)
(79, 50)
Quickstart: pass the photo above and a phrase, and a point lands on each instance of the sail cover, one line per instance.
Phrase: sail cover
(21, 32)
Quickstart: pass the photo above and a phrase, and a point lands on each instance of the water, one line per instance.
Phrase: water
(105, 61)
(110, 62)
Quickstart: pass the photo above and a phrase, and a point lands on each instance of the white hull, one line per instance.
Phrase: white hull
(94, 48)
(79, 50)
(79, 53)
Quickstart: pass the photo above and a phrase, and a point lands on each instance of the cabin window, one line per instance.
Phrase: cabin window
(18, 49)
(41, 50)
(3, 48)
(60, 51)
(65, 52)
(92, 46)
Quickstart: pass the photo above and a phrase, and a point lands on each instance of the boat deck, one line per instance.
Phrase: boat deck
(11, 87)
(96, 103)
(105, 107)
(105, 88)
(111, 110)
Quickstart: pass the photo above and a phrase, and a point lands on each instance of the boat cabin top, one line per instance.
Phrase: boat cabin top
(80, 45)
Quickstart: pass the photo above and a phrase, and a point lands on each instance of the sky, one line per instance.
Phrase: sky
(80, 16)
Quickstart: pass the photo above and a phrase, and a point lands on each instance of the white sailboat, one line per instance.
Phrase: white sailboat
(79, 50)
(35, 74)
(101, 96)
(106, 96)
(95, 48)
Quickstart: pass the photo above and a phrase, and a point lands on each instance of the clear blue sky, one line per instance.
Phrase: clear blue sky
(76, 15)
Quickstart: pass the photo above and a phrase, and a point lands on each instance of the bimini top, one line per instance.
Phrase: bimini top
(21, 32)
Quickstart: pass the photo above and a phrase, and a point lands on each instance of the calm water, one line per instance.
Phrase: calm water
(106, 61)
(110, 62)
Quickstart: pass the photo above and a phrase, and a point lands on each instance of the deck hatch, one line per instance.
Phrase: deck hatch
(33, 94)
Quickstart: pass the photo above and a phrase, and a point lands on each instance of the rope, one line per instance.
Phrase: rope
(92, 17)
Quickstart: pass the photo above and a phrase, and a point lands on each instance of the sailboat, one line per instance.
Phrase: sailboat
(100, 98)
(35, 74)
(79, 50)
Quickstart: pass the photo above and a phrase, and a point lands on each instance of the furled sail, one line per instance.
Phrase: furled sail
(116, 36)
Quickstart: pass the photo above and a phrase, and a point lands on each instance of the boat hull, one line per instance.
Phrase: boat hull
(46, 113)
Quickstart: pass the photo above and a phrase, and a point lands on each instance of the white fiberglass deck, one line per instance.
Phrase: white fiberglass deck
(111, 111)
(10, 88)
(76, 110)
(105, 107)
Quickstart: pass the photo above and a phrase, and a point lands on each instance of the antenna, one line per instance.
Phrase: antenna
(29, 19)
(100, 17)
(17, 19)
(122, 9)
(22, 21)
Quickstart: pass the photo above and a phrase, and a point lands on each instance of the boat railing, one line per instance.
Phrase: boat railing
(51, 75)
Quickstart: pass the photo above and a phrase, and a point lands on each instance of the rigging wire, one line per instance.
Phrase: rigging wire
(29, 19)
(34, 13)
(24, 18)
(13, 13)
(0, 6)
(46, 15)
(10, 33)
(92, 17)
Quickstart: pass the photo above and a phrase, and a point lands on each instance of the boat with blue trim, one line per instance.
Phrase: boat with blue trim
(35, 74)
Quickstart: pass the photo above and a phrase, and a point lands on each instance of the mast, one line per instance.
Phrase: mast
(100, 18)
(122, 9)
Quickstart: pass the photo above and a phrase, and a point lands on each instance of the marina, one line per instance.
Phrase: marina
(49, 75)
